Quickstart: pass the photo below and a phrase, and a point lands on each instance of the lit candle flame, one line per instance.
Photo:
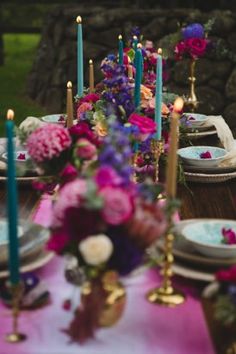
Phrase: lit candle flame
(139, 45)
(69, 84)
(159, 51)
(10, 114)
(178, 105)
(120, 37)
(135, 38)
(79, 19)
(90, 62)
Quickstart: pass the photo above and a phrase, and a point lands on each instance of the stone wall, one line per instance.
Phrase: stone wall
(55, 62)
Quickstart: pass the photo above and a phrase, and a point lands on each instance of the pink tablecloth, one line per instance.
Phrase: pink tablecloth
(144, 328)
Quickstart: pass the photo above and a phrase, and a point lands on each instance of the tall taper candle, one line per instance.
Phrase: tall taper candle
(158, 97)
(171, 172)
(135, 43)
(13, 247)
(138, 77)
(121, 50)
(80, 65)
(69, 105)
(91, 76)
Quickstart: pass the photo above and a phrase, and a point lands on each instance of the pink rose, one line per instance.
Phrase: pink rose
(91, 97)
(84, 107)
(58, 242)
(107, 176)
(229, 236)
(146, 125)
(196, 47)
(118, 206)
(85, 149)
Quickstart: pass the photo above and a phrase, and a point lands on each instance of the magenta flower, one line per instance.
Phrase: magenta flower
(145, 124)
(107, 176)
(21, 157)
(118, 206)
(206, 155)
(69, 173)
(48, 142)
(229, 236)
(91, 97)
(58, 242)
(227, 275)
(85, 149)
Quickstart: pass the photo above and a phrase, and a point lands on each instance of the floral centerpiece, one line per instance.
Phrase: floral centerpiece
(105, 222)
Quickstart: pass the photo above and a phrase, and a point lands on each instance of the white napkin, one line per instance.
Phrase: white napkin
(226, 137)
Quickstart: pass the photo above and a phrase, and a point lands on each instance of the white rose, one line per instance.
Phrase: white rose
(96, 249)
(30, 124)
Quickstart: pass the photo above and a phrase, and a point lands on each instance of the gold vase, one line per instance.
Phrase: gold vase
(191, 100)
(115, 298)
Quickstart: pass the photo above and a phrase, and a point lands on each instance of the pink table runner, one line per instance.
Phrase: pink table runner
(144, 328)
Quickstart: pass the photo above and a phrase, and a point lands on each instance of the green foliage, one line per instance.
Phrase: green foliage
(225, 310)
(19, 55)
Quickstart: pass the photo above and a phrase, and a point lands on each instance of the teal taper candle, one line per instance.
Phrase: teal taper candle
(12, 202)
(138, 77)
(121, 50)
(158, 97)
(80, 64)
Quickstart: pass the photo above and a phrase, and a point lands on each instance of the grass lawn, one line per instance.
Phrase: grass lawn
(20, 50)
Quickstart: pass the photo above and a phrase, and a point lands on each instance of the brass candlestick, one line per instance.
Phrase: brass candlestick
(17, 292)
(165, 294)
(191, 101)
(157, 148)
(134, 164)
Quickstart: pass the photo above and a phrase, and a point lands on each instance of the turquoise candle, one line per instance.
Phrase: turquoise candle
(158, 98)
(138, 78)
(135, 46)
(80, 65)
(121, 50)
(13, 246)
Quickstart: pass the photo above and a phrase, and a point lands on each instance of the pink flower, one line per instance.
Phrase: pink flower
(146, 125)
(58, 241)
(82, 130)
(48, 142)
(196, 47)
(21, 156)
(69, 173)
(228, 275)
(229, 236)
(69, 196)
(85, 149)
(84, 107)
(118, 206)
(107, 176)
(180, 49)
(205, 155)
(91, 97)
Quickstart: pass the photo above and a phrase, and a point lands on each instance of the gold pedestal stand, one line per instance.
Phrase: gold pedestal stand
(157, 148)
(134, 164)
(15, 336)
(167, 295)
(191, 101)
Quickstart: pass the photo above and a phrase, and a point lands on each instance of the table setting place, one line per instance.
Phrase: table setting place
(95, 254)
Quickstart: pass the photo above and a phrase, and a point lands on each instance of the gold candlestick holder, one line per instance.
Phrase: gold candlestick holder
(15, 336)
(166, 294)
(157, 148)
(191, 101)
(135, 164)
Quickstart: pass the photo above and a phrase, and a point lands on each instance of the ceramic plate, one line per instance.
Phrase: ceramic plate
(191, 155)
(214, 169)
(197, 120)
(42, 259)
(4, 232)
(201, 134)
(185, 251)
(55, 118)
(207, 238)
(209, 177)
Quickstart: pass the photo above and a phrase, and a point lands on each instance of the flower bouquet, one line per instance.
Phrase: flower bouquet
(104, 222)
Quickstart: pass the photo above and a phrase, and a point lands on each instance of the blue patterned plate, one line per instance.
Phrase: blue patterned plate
(195, 120)
(193, 155)
(55, 118)
(206, 237)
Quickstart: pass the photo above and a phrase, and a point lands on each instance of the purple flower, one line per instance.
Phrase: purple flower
(195, 30)
(126, 256)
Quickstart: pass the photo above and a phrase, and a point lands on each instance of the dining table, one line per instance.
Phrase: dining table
(145, 328)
